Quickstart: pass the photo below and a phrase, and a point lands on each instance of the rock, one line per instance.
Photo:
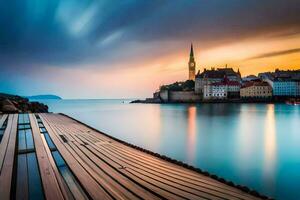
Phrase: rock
(137, 101)
(8, 107)
(148, 100)
(38, 107)
(15, 104)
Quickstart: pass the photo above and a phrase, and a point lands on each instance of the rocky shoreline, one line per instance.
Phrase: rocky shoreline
(17, 104)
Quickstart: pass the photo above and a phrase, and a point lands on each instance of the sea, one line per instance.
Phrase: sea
(256, 145)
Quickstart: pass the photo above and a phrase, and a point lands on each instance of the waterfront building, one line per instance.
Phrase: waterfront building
(233, 89)
(208, 77)
(224, 89)
(215, 91)
(286, 87)
(256, 89)
(283, 83)
(192, 65)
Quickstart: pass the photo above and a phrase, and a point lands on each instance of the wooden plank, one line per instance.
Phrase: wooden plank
(5, 139)
(152, 172)
(138, 163)
(2, 119)
(125, 185)
(52, 189)
(197, 184)
(155, 181)
(89, 184)
(147, 185)
(98, 169)
(119, 166)
(125, 162)
(116, 190)
(64, 188)
(8, 162)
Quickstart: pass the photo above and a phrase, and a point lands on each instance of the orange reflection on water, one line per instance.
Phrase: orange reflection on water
(270, 145)
(191, 137)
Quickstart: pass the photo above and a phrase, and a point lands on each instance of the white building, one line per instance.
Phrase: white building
(222, 90)
(208, 77)
(215, 91)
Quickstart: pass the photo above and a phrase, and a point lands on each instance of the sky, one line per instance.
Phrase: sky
(128, 48)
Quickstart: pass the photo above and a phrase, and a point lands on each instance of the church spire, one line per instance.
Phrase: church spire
(192, 51)
(192, 54)
(192, 64)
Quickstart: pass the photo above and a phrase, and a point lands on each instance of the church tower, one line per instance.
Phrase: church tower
(192, 65)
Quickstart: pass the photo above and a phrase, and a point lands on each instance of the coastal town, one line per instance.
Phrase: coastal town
(224, 84)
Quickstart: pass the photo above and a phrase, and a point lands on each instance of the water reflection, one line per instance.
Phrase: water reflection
(270, 147)
(191, 133)
(247, 138)
(154, 127)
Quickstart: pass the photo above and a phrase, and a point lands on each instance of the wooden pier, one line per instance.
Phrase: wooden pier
(51, 156)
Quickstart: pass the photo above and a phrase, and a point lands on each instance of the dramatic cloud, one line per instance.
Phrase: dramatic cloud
(276, 53)
(36, 35)
(63, 32)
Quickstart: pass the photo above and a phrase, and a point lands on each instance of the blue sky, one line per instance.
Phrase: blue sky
(104, 49)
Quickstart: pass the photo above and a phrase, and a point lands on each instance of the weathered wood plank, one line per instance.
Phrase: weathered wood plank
(177, 181)
(160, 183)
(47, 174)
(2, 119)
(120, 166)
(139, 164)
(90, 185)
(4, 142)
(64, 188)
(100, 171)
(9, 157)
(120, 173)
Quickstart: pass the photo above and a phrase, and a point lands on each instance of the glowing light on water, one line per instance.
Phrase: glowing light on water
(191, 133)
(270, 146)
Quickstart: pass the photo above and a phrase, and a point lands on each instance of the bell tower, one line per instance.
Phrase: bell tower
(192, 65)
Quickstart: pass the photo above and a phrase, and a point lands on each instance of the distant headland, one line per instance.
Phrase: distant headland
(44, 96)
(224, 84)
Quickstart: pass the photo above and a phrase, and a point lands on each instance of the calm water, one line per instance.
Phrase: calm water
(257, 145)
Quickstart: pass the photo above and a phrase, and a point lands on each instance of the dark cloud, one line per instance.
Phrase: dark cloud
(275, 53)
(66, 33)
